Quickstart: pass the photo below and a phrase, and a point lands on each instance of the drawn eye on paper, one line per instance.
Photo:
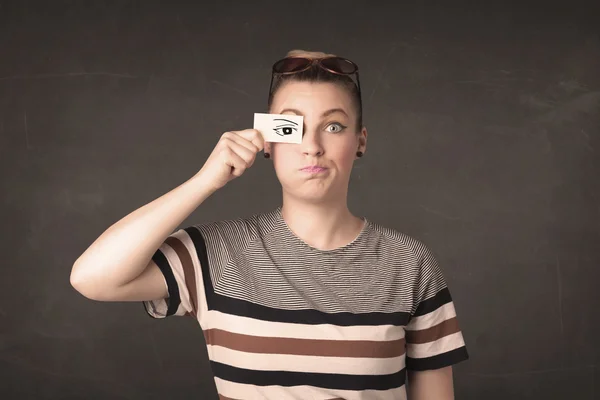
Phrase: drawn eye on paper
(282, 128)
(285, 127)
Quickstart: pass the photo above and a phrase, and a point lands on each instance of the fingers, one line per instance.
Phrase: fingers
(233, 137)
(242, 151)
(238, 164)
(238, 149)
(253, 136)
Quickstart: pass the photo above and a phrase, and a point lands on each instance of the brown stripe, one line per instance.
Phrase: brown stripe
(188, 270)
(434, 333)
(305, 347)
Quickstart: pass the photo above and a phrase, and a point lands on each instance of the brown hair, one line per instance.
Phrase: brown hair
(316, 74)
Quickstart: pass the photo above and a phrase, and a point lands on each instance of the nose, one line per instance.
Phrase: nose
(311, 143)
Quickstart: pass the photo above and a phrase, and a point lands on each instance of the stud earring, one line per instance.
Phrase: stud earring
(267, 155)
(359, 153)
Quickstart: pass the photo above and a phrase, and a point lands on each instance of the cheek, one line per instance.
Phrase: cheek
(284, 155)
(341, 152)
(346, 153)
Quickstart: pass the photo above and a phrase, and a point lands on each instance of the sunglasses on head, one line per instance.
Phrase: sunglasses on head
(335, 65)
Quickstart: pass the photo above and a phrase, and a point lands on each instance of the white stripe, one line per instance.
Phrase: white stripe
(296, 363)
(254, 327)
(177, 268)
(442, 345)
(251, 392)
(433, 318)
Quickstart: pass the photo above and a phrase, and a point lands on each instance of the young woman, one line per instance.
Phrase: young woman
(307, 301)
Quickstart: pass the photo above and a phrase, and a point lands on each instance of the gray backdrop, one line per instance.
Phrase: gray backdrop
(484, 143)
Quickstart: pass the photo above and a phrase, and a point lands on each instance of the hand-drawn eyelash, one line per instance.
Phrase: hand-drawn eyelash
(287, 128)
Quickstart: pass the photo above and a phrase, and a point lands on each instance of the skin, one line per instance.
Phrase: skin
(315, 206)
(116, 266)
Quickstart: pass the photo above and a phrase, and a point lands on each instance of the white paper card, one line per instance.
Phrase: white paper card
(281, 128)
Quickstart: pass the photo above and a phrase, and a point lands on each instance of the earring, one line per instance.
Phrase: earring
(359, 153)
(267, 155)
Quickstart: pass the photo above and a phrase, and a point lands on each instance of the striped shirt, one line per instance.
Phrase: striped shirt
(284, 320)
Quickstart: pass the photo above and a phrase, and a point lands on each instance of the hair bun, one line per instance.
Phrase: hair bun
(308, 54)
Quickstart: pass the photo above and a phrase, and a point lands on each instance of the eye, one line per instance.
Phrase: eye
(335, 127)
(285, 130)
(285, 127)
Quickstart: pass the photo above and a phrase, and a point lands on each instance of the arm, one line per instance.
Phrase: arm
(432, 384)
(434, 341)
(118, 266)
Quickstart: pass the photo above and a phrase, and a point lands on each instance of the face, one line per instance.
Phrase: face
(319, 168)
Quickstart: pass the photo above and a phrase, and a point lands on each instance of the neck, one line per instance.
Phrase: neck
(323, 225)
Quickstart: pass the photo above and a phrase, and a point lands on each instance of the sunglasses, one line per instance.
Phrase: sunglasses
(334, 65)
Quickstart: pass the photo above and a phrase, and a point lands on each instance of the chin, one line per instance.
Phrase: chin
(310, 192)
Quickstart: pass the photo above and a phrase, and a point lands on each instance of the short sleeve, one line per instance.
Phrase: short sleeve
(433, 336)
(178, 260)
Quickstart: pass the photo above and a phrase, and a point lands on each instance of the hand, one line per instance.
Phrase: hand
(233, 154)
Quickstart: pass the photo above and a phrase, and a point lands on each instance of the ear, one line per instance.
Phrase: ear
(362, 140)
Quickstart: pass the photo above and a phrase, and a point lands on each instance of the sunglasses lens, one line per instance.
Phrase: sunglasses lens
(339, 65)
(288, 65)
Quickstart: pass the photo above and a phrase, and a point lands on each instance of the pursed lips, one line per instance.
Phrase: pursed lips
(313, 168)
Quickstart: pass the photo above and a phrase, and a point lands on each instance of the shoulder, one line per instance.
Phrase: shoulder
(397, 241)
(236, 230)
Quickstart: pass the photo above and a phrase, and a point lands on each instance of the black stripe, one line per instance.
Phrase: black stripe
(322, 380)
(243, 308)
(442, 297)
(200, 246)
(439, 361)
(174, 299)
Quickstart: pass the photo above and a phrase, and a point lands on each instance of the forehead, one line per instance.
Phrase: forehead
(313, 96)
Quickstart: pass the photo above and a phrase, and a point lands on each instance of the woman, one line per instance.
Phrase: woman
(307, 301)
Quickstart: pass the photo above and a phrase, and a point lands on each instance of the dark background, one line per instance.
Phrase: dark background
(484, 143)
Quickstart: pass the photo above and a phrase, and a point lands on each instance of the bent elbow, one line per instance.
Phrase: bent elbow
(84, 285)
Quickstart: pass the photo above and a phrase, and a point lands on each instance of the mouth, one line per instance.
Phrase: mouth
(313, 169)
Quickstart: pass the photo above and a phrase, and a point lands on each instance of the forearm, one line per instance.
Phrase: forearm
(123, 251)
(429, 385)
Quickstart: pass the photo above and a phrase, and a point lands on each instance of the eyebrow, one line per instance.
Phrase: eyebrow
(286, 120)
(325, 114)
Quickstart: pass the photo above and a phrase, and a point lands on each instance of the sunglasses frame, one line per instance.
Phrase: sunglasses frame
(319, 62)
